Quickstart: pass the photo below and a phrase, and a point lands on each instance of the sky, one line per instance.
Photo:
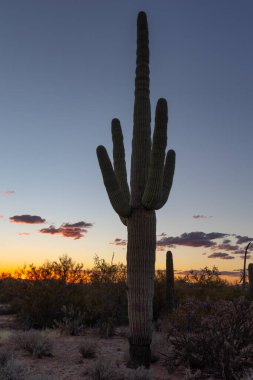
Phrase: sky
(67, 69)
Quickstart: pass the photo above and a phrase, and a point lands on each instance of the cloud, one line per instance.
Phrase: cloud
(24, 234)
(197, 216)
(118, 241)
(243, 239)
(28, 219)
(220, 255)
(74, 231)
(248, 256)
(234, 273)
(192, 239)
(8, 192)
(228, 247)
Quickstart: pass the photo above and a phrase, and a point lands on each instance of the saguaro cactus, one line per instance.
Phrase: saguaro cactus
(169, 282)
(244, 266)
(151, 181)
(250, 273)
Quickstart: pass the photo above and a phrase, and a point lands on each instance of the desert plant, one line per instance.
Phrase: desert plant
(38, 303)
(141, 373)
(12, 370)
(250, 274)
(214, 338)
(169, 282)
(41, 376)
(151, 181)
(34, 342)
(106, 328)
(72, 322)
(5, 355)
(244, 265)
(88, 348)
(102, 369)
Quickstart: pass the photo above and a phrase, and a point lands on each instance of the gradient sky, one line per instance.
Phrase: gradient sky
(67, 69)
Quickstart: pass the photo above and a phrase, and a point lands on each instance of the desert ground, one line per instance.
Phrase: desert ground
(66, 362)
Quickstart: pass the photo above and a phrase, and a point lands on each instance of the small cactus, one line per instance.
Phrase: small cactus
(170, 300)
(250, 272)
(244, 266)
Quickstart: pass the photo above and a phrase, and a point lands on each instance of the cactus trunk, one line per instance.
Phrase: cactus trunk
(140, 283)
(151, 181)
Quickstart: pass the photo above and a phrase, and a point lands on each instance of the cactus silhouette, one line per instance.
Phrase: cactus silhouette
(170, 300)
(150, 182)
(250, 273)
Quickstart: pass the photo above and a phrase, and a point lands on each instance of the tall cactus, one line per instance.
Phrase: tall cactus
(151, 181)
(250, 274)
(170, 300)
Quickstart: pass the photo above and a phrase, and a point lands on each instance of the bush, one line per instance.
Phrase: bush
(33, 342)
(41, 376)
(141, 373)
(39, 299)
(212, 337)
(72, 322)
(12, 370)
(205, 284)
(103, 370)
(87, 348)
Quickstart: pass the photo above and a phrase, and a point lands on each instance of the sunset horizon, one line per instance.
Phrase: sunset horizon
(67, 72)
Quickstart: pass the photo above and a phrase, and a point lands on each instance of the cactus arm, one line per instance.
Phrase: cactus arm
(119, 162)
(141, 142)
(153, 188)
(168, 175)
(115, 194)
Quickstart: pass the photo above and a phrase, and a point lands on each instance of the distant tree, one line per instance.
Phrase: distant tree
(104, 272)
(65, 269)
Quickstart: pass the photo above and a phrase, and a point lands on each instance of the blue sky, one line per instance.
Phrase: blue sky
(67, 69)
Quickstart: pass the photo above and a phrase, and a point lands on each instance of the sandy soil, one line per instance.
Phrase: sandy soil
(67, 363)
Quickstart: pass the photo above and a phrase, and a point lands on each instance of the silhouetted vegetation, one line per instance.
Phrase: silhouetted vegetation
(209, 332)
(59, 292)
(211, 339)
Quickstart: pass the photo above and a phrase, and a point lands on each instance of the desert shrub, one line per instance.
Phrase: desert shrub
(65, 269)
(38, 303)
(159, 301)
(41, 376)
(106, 299)
(141, 373)
(39, 300)
(104, 272)
(72, 322)
(32, 341)
(212, 337)
(107, 328)
(205, 284)
(88, 348)
(103, 370)
(11, 370)
(5, 356)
